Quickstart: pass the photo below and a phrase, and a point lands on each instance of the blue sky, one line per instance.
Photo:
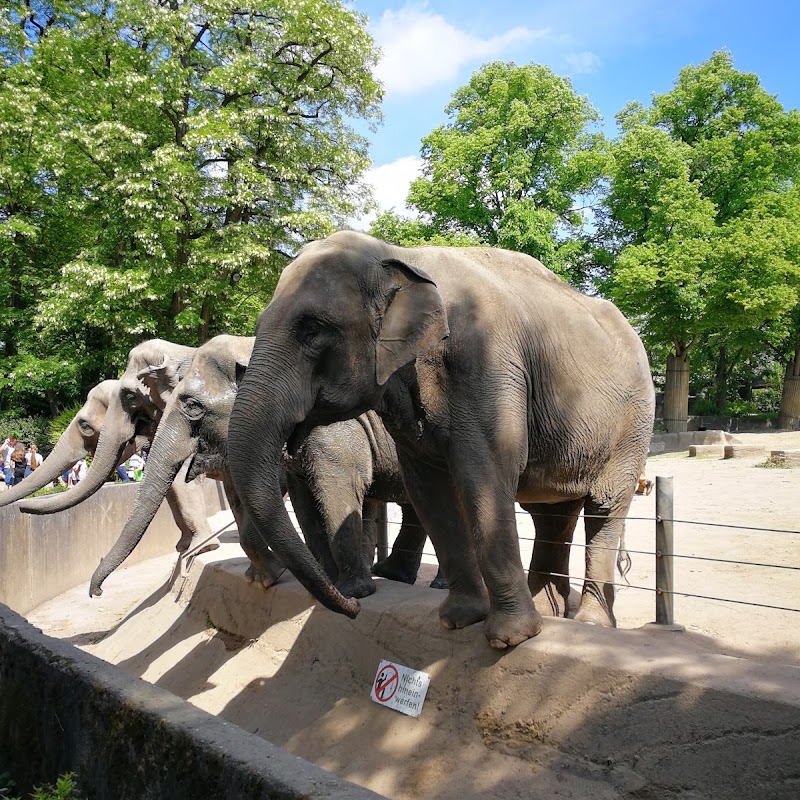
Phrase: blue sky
(613, 51)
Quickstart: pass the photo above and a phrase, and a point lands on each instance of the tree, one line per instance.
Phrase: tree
(405, 232)
(185, 151)
(697, 222)
(510, 165)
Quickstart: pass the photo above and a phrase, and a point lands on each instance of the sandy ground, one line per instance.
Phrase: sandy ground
(144, 622)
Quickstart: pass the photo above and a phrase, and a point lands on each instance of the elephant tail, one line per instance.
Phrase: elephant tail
(624, 561)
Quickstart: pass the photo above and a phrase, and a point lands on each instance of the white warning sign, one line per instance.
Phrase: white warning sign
(400, 688)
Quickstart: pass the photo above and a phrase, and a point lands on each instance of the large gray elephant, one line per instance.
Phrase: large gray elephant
(79, 439)
(130, 416)
(496, 380)
(332, 473)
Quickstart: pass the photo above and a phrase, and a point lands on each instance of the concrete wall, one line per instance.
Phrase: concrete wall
(42, 556)
(63, 710)
(680, 442)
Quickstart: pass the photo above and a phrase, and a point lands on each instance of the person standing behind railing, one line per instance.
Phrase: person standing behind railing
(33, 459)
(76, 474)
(8, 448)
(18, 464)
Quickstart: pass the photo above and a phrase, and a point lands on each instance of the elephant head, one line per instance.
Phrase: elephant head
(80, 438)
(194, 426)
(346, 315)
(154, 368)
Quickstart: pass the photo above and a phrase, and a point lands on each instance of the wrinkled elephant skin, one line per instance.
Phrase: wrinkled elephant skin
(333, 470)
(497, 382)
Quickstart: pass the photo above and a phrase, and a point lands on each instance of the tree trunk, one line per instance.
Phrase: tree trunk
(676, 393)
(790, 398)
(721, 379)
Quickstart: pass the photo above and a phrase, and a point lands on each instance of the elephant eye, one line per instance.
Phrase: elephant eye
(85, 427)
(193, 410)
(308, 330)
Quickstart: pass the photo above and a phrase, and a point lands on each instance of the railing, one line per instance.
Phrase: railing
(664, 554)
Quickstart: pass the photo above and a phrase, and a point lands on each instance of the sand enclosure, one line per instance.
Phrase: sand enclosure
(569, 714)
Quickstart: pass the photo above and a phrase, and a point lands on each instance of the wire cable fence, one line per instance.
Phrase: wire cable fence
(664, 554)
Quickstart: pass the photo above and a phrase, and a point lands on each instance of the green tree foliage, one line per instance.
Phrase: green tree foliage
(511, 164)
(701, 219)
(406, 232)
(151, 154)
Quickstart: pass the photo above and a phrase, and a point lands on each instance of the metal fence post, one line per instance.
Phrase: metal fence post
(382, 531)
(664, 548)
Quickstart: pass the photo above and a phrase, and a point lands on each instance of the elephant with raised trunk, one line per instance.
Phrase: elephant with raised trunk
(79, 439)
(496, 380)
(131, 410)
(332, 473)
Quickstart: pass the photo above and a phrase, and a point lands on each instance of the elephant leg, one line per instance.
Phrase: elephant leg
(312, 524)
(402, 564)
(605, 528)
(188, 506)
(331, 511)
(436, 502)
(265, 568)
(555, 527)
(372, 512)
(486, 487)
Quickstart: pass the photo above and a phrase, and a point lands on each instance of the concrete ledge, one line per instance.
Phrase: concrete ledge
(63, 709)
(743, 450)
(785, 458)
(681, 442)
(706, 451)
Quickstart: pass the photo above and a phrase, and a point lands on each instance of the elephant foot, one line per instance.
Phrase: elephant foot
(460, 610)
(551, 595)
(439, 581)
(508, 629)
(595, 615)
(395, 569)
(266, 574)
(596, 608)
(357, 586)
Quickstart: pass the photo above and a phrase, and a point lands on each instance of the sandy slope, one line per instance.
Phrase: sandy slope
(186, 649)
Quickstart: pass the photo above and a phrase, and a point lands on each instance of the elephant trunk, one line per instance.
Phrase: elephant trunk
(263, 418)
(170, 449)
(118, 430)
(65, 500)
(71, 447)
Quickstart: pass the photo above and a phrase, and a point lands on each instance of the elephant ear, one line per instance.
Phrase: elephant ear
(414, 320)
(153, 375)
(163, 377)
(240, 369)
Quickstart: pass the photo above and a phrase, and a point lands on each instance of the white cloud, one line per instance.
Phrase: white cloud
(390, 184)
(422, 49)
(582, 62)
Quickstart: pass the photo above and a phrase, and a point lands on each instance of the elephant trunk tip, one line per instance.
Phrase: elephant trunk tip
(96, 584)
(351, 607)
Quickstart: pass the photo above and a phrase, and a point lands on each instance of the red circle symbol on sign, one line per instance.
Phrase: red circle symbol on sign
(386, 683)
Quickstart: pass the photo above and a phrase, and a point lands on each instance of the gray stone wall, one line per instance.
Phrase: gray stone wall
(64, 710)
(42, 556)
